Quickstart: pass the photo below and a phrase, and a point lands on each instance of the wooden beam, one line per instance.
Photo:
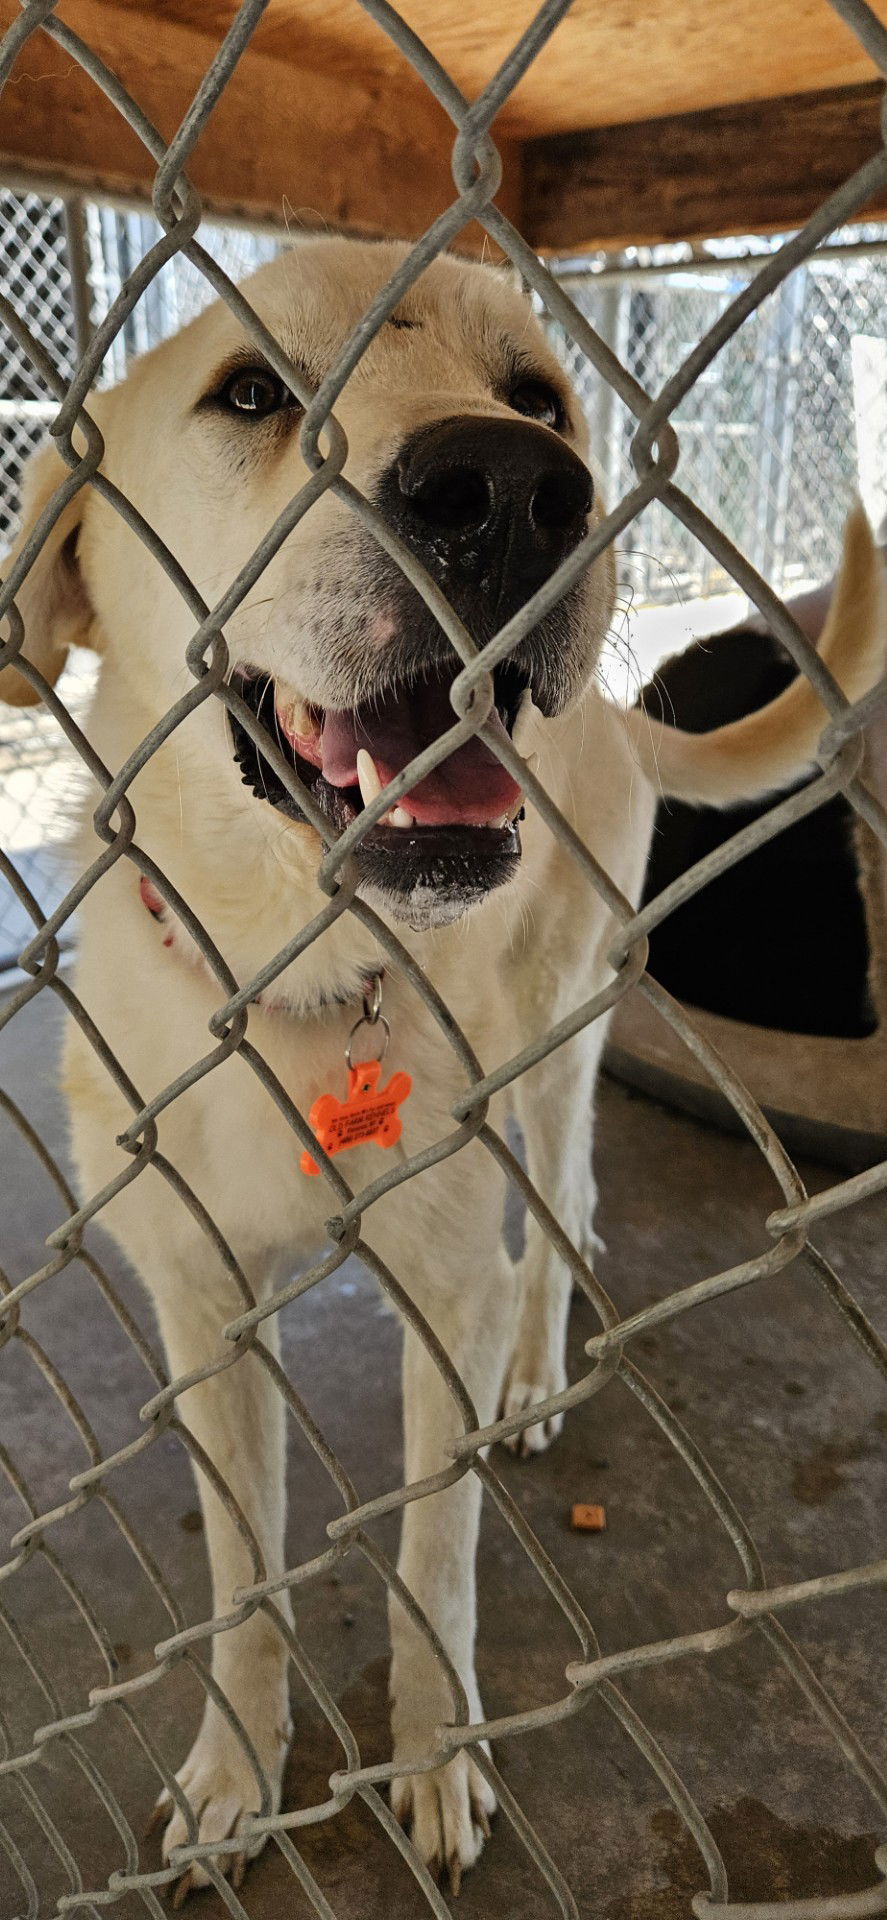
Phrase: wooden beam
(608, 61)
(286, 145)
(764, 166)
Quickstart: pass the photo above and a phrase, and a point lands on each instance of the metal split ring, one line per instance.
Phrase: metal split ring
(377, 1020)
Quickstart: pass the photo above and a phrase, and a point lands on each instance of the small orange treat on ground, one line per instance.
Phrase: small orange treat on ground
(584, 1519)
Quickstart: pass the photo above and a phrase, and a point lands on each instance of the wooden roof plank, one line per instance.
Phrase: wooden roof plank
(608, 61)
(296, 149)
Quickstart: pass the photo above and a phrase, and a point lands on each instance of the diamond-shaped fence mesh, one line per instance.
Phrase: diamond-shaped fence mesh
(36, 279)
(786, 422)
(700, 378)
(39, 780)
(789, 421)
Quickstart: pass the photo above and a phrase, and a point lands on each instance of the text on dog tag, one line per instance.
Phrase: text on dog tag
(367, 1115)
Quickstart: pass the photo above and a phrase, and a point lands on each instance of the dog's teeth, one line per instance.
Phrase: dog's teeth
(398, 817)
(367, 777)
(299, 721)
(515, 813)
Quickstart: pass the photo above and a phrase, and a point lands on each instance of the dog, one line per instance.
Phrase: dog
(463, 431)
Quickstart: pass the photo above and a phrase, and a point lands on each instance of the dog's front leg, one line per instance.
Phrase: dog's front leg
(458, 1275)
(238, 1419)
(554, 1107)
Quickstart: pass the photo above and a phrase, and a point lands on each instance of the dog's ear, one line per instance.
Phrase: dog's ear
(52, 599)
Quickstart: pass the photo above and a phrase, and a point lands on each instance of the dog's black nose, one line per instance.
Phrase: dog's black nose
(490, 506)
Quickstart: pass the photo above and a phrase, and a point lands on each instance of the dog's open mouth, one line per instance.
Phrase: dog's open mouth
(444, 844)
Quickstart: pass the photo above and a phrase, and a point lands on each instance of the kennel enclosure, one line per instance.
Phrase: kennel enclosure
(346, 115)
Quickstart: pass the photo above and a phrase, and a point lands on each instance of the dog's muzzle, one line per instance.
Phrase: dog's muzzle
(491, 507)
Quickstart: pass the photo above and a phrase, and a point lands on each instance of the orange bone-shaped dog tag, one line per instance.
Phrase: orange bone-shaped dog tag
(367, 1114)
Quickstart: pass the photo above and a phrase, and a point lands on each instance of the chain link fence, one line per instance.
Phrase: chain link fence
(789, 420)
(692, 392)
(775, 437)
(38, 780)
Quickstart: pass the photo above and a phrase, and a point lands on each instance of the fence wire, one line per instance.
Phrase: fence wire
(752, 1607)
(787, 423)
(776, 434)
(38, 789)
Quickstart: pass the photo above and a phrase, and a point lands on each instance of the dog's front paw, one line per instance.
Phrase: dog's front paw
(523, 1394)
(447, 1814)
(222, 1789)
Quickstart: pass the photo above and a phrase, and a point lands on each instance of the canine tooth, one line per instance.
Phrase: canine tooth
(367, 777)
(512, 816)
(398, 817)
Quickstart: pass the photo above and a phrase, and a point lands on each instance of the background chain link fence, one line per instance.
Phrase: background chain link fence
(70, 1708)
(38, 780)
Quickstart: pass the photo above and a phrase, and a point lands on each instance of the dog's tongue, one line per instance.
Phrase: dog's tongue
(471, 788)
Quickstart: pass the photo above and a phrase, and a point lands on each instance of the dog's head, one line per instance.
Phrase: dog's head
(463, 432)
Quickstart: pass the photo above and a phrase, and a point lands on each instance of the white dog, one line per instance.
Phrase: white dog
(462, 428)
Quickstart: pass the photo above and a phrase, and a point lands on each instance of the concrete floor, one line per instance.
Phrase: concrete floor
(783, 1403)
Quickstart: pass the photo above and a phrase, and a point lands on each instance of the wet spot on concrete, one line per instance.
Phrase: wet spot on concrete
(793, 1387)
(122, 1652)
(765, 1859)
(818, 1477)
(192, 1521)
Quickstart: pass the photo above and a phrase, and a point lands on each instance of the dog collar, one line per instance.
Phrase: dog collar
(177, 938)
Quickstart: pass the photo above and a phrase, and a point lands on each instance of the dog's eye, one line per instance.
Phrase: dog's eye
(254, 393)
(538, 401)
